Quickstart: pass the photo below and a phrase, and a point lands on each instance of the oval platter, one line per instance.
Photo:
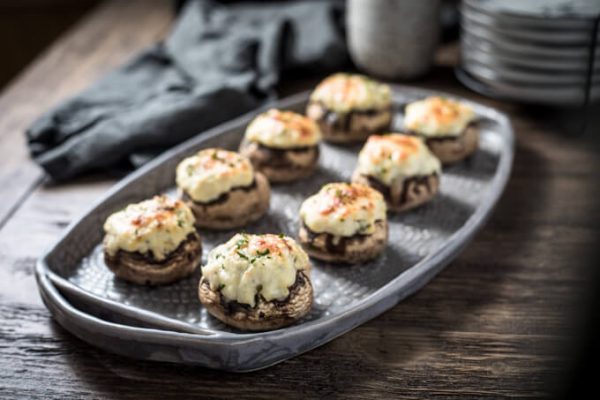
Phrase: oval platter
(167, 323)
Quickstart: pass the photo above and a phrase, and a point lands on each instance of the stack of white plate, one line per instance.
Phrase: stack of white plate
(537, 51)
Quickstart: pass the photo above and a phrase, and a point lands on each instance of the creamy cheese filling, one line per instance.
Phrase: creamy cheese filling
(438, 116)
(212, 172)
(347, 92)
(343, 209)
(284, 130)
(156, 226)
(248, 265)
(395, 156)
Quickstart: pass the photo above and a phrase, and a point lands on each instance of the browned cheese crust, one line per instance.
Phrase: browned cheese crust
(349, 250)
(235, 208)
(403, 194)
(266, 315)
(143, 269)
(351, 127)
(281, 165)
(452, 149)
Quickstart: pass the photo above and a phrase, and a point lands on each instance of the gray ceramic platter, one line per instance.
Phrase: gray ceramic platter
(494, 55)
(528, 77)
(484, 40)
(545, 14)
(553, 37)
(168, 323)
(494, 34)
(551, 94)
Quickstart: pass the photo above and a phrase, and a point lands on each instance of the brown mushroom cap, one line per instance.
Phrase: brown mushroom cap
(144, 270)
(266, 315)
(351, 250)
(351, 127)
(281, 165)
(455, 148)
(403, 194)
(235, 208)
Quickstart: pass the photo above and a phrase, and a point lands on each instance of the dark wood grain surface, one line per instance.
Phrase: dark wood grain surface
(502, 320)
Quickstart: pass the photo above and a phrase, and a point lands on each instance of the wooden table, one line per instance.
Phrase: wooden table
(499, 321)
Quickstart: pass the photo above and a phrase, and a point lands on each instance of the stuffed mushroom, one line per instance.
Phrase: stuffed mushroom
(447, 126)
(401, 167)
(152, 242)
(344, 223)
(257, 282)
(350, 107)
(222, 189)
(283, 145)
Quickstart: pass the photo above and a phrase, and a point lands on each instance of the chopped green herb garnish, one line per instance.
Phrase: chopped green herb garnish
(262, 252)
(363, 226)
(242, 255)
(241, 243)
(221, 286)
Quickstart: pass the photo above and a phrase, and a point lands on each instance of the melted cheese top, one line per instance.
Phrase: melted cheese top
(248, 265)
(344, 209)
(284, 130)
(156, 226)
(347, 92)
(212, 172)
(438, 116)
(396, 156)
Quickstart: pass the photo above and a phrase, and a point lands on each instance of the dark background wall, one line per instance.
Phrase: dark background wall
(27, 27)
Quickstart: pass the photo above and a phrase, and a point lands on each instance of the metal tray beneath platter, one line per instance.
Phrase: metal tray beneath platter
(168, 323)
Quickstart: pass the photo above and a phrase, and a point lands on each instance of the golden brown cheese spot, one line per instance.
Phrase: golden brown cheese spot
(396, 156)
(283, 129)
(438, 116)
(212, 172)
(155, 227)
(249, 265)
(347, 92)
(343, 209)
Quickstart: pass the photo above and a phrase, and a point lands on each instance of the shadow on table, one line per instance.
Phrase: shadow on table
(407, 345)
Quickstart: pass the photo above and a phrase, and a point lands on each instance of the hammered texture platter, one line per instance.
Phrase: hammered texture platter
(421, 242)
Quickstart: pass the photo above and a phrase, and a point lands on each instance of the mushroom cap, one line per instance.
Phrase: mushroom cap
(140, 269)
(403, 194)
(265, 315)
(351, 127)
(235, 208)
(349, 250)
(281, 165)
(455, 148)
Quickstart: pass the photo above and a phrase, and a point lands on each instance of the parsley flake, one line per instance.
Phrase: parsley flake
(261, 253)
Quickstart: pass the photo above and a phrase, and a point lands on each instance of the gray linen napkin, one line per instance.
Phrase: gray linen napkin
(218, 62)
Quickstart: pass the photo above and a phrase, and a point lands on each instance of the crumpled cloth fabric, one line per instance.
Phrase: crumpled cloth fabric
(218, 62)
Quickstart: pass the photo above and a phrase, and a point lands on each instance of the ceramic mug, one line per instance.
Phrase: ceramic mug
(393, 39)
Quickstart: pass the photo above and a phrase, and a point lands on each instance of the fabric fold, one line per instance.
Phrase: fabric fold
(218, 62)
